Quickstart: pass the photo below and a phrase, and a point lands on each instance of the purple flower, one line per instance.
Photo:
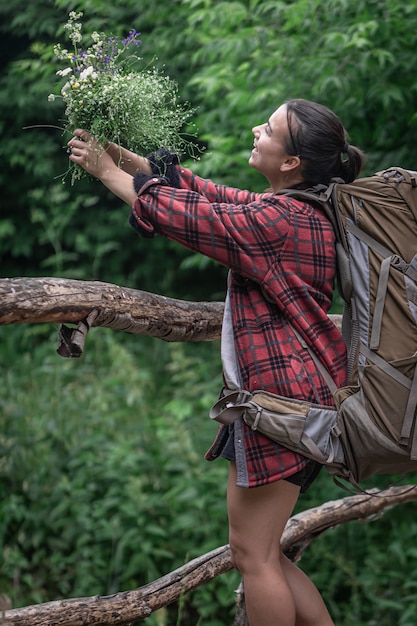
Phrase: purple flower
(132, 38)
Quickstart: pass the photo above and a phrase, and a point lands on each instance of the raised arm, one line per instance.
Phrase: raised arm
(127, 160)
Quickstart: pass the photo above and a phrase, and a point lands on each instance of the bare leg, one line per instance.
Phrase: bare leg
(309, 605)
(277, 593)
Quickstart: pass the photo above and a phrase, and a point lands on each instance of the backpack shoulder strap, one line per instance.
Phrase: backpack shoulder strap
(319, 194)
(323, 371)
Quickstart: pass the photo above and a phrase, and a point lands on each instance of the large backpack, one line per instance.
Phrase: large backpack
(373, 428)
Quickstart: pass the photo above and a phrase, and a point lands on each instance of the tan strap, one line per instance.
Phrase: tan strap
(380, 303)
(409, 418)
(231, 406)
(385, 366)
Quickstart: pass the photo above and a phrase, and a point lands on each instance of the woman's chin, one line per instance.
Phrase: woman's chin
(252, 158)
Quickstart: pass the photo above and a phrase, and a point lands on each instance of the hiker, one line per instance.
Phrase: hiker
(281, 255)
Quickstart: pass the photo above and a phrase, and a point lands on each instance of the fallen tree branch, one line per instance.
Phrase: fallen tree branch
(93, 303)
(52, 300)
(126, 607)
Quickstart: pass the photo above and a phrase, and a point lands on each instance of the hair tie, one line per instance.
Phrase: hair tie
(345, 147)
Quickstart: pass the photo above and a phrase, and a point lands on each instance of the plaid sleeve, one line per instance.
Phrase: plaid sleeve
(215, 192)
(243, 236)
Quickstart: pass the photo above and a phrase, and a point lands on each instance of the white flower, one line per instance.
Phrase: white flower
(89, 71)
(76, 37)
(64, 72)
(51, 97)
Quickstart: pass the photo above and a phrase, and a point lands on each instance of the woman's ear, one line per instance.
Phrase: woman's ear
(290, 164)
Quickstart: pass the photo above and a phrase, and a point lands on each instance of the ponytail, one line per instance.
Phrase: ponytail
(353, 164)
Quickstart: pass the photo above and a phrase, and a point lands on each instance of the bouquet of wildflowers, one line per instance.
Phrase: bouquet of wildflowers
(105, 95)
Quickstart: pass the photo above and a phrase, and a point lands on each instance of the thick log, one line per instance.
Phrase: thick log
(51, 300)
(93, 303)
(126, 607)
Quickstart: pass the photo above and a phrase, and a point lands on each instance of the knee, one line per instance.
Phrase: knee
(240, 553)
(234, 557)
(248, 557)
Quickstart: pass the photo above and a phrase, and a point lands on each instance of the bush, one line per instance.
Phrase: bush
(102, 483)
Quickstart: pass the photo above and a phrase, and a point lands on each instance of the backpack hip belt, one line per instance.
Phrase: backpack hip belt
(304, 427)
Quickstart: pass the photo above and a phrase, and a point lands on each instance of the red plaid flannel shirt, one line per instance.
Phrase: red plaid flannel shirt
(274, 245)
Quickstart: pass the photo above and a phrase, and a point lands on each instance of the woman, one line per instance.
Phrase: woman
(281, 256)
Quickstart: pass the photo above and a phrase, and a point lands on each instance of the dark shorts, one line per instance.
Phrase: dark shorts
(303, 479)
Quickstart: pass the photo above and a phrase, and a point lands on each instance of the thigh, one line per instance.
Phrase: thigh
(258, 515)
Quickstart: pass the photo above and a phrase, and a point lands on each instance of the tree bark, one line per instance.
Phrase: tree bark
(93, 303)
(52, 300)
(130, 606)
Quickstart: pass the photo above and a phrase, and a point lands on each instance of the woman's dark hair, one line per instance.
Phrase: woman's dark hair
(318, 137)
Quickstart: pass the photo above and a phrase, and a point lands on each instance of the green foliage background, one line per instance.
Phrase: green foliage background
(102, 482)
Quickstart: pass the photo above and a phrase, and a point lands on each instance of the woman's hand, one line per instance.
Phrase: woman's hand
(90, 155)
(97, 161)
